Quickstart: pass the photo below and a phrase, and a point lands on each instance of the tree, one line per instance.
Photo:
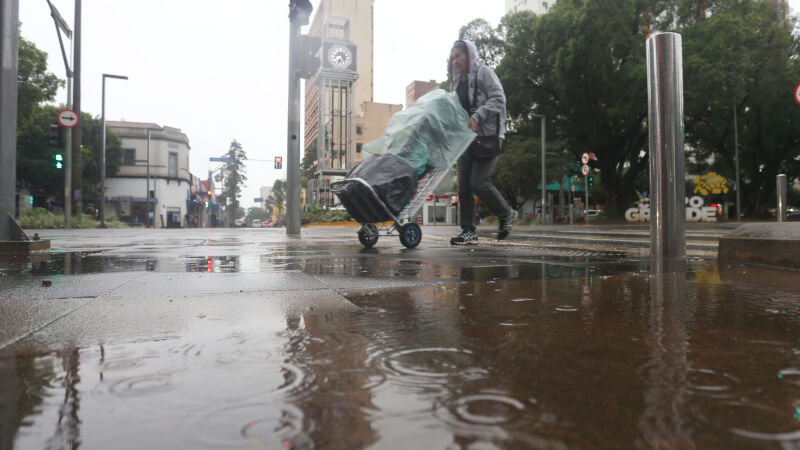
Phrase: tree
(309, 164)
(234, 176)
(488, 40)
(276, 199)
(745, 57)
(583, 66)
(34, 84)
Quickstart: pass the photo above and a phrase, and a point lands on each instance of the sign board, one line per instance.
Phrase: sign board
(695, 211)
(585, 170)
(225, 160)
(68, 118)
(259, 199)
(584, 159)
(797, 93)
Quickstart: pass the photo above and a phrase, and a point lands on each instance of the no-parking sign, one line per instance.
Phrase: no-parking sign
(797, 93)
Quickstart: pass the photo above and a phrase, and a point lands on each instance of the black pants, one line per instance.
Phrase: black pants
(474, 178)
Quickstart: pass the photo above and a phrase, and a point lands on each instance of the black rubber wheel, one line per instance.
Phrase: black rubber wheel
(368, 235)
(410, 235)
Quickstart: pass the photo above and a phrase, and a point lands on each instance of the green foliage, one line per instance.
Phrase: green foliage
(34, 84)
(583, 66)
(316, 214)
(40, 218)
(309, 164)
(488, 40)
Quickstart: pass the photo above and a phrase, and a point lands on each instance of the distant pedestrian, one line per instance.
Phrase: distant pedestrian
(482, 95)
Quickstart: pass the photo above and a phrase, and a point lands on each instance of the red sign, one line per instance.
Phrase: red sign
(68, 118)
(797, 93)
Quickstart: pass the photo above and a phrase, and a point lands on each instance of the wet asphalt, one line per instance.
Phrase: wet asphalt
(248, 338)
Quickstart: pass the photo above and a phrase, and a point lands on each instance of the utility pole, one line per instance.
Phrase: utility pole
(299, 14)
(77, 161)
(9, 51)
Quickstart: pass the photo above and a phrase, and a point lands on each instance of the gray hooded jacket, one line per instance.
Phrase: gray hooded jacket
(491, 98)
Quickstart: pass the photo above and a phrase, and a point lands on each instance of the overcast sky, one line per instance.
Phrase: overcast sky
(221, 72)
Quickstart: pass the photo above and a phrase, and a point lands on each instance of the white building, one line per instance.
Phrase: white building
(537, 6)
(171, 184)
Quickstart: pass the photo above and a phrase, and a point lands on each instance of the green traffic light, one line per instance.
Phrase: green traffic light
(59, 157)
(59, 165)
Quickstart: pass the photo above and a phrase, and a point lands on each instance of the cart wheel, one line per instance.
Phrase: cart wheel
(410, 235)
(368, 235)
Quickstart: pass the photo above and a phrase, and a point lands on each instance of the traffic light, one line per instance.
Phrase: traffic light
(56, 137)
(300, 11)
(59, 160)
(278, 162)
(305, 57)
(206, 202)
(30, 199)
(591, 181)
(209, 193)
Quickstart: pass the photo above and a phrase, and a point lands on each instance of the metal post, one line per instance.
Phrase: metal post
(77, 161)
(781, 191)
(9, 51)
(293, 139)
(103, 149)
(147, 194)
(68, 154)
(665, 104)
(736, 164)
(544, 172)
(586, 206)
(102, 194)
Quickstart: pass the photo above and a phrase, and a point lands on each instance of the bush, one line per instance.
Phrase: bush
(40, 218)
(322, 214)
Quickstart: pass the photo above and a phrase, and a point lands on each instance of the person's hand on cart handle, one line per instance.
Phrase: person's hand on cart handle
(473, 124)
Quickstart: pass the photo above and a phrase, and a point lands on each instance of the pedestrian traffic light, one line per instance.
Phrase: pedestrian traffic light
(278, 162)
(56, 137)
(306, 61)
(59, 160)
(206, 203)
(30, 199)
(591, 181)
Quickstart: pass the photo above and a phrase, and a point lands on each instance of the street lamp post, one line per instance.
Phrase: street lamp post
(544, 167)
(103, 150)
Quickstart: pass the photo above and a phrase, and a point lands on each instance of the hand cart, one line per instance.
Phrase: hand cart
(373, 214)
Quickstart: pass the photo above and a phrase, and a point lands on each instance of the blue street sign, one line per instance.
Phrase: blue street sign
(258, 199)
(225, 160)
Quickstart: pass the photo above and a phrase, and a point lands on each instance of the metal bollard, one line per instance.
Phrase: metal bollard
(781, 191)
(665, 122)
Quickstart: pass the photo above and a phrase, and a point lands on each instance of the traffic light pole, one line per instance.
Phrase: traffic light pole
(9, 44)
(293, 139)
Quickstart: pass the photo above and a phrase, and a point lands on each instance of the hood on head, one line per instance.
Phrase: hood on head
(472, 59)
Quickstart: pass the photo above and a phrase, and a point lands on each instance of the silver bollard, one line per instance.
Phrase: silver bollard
(665, 105)
(781, 191)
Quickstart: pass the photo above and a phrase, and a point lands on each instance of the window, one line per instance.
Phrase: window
(358, 148)
(545, 5)
(173, 165)
(359, 131)
(129, 157)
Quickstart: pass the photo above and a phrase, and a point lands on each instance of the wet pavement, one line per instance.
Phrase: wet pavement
(248, 338)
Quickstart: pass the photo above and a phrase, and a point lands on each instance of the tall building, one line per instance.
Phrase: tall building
(417, 89)
(352, 19)
(537, 6)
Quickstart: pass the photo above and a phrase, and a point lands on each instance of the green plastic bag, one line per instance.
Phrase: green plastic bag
(434, 132)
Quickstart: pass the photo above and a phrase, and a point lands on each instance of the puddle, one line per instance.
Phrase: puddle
(519, 350)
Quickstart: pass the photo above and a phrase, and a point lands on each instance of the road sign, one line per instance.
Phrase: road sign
(225, 160)
(585, 170)
(797, 93)
(584, 159)
(68, 118)
(258, 200)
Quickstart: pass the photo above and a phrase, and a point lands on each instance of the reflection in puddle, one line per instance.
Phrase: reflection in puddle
(525, 354)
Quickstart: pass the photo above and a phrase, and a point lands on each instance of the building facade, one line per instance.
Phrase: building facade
(417, 89)
(172, 189)
(537, 6)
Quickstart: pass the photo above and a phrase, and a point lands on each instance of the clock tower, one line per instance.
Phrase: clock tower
(335, 82)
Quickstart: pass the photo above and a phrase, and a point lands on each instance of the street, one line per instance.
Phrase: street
(241, 338)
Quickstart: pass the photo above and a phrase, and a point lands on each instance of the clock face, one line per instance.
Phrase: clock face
(339, 56)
